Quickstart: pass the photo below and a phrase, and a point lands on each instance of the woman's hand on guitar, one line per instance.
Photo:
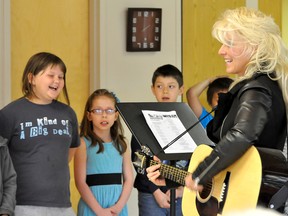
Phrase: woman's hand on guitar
(153, 175)
(191, 184)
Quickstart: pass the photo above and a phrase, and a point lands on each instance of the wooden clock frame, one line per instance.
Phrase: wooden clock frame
(143, 29)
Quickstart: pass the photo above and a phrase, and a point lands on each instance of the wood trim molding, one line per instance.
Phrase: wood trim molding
(5, 53)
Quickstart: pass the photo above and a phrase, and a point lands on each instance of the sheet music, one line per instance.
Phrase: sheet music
(166, 126)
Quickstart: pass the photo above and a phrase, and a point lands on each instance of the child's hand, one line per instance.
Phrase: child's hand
(115, 210)
(106, 212)
(162, 199)
(179, 192)
(153, 175)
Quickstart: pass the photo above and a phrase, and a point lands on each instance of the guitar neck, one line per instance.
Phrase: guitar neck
(172, 173)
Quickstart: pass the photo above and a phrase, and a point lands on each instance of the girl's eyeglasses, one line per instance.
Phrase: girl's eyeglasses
(101, 111)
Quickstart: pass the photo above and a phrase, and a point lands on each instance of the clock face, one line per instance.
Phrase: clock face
(144, 29)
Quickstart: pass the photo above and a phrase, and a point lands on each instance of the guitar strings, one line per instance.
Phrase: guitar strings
(178, 175)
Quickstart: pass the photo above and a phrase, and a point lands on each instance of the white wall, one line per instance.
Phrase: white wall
(129, 74)
(5, 86)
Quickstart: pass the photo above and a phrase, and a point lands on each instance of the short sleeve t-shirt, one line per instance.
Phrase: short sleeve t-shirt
(207, 119)
(39, 138)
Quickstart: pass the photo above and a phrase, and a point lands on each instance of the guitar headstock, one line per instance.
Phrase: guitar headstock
(141, 158)
(144, 159)
(146, 151)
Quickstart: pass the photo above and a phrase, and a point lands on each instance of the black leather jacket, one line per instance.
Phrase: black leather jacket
(251, 113)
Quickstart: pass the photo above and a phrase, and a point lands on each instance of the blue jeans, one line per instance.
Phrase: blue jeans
(148, 206)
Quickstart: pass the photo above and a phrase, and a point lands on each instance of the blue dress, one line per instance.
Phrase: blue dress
(108, 161)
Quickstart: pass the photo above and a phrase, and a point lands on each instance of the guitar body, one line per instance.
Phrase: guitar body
(243, 181)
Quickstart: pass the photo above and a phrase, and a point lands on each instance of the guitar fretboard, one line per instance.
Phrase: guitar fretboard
(171, 173)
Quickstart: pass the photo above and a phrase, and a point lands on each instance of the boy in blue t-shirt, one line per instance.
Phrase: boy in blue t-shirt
(214, 86)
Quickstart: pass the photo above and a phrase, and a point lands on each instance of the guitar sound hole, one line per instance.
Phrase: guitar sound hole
(209, 208)
(205, 194)
(206, 204)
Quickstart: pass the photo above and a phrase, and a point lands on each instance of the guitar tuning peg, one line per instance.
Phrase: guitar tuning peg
(146, 151)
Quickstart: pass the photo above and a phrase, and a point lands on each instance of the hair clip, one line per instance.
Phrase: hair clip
(116, 98)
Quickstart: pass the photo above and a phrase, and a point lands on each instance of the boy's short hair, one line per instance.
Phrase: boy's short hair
(168, 70)
(217, 85)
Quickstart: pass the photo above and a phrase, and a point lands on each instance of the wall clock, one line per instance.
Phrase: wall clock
(144, 29)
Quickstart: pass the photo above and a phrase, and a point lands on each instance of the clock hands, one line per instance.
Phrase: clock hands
(145, 28)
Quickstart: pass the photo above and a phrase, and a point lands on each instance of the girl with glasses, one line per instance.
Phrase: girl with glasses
(103, 168)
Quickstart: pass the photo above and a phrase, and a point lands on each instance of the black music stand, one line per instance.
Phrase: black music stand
(135, 121)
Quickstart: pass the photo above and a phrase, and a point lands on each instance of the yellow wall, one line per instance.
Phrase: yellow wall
(285, 20)
(200, 58)
(272, 8)
(60, 27)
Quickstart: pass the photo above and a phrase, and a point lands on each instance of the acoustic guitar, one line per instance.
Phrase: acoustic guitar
(233, 189)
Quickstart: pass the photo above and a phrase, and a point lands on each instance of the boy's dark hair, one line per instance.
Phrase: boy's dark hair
(217, 85)
(168, 70)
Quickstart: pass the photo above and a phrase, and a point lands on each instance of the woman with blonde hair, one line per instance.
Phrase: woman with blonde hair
(254, 110)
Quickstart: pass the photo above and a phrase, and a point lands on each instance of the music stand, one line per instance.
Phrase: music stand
(135, 121)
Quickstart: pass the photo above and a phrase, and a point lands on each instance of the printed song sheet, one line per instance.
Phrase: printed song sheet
(166, 126)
